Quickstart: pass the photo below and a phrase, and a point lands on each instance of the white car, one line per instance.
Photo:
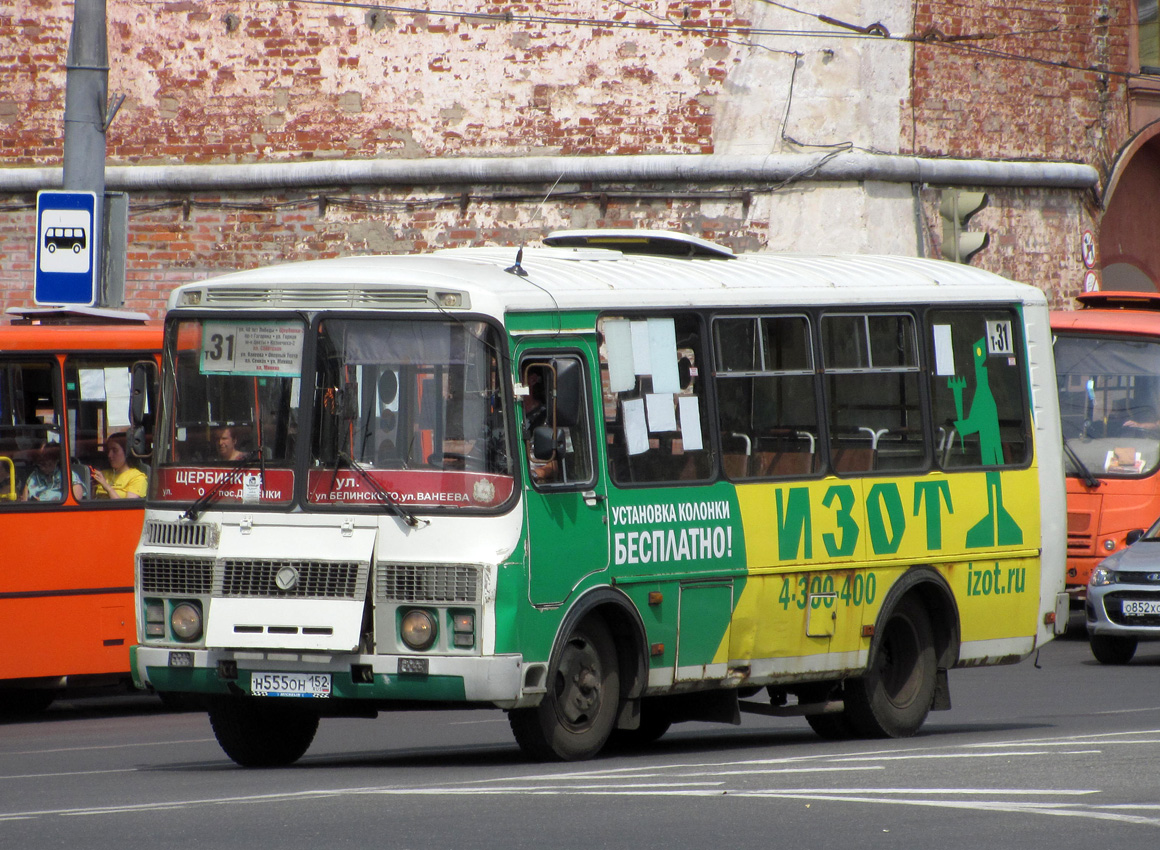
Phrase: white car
(1123, 599)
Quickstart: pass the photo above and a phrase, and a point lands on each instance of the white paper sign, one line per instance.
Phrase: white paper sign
(635, 426)
(944, 354)
(662, 415)
(641, 362)
(662, 338)
(618, 349)
(690, 423)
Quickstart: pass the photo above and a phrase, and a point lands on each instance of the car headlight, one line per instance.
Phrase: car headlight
(185, 621)
(418, 629)
(1102, 577)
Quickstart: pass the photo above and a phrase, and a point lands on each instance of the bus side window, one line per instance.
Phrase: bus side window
(30, 429)
(766, 396)
(656, 415)
(871, 372)
(976, 386)
(560, 451)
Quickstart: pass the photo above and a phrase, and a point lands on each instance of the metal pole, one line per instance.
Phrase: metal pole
(85, 99)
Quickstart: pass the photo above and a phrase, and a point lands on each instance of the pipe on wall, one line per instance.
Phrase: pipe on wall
(850, 166)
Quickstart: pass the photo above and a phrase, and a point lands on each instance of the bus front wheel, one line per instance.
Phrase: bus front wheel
(893, 697)
(577, 714)
(261, 733)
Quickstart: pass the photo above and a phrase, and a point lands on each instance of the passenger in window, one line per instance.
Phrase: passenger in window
(123, 480)
(46, 482)
(229, 442)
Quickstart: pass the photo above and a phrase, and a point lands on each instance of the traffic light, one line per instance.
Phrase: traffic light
(956, 209)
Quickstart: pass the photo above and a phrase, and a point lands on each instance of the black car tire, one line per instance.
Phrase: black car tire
(1113, 649)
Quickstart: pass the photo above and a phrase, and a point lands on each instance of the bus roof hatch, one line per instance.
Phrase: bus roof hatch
(659, 242)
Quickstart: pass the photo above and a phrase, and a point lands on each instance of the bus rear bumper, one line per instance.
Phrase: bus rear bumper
(492, 679)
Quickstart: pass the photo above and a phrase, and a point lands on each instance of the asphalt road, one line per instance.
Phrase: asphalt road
(1057, 752)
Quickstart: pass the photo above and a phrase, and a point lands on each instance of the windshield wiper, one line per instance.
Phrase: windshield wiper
(1084, 473)
(210, 496)
(403, 513)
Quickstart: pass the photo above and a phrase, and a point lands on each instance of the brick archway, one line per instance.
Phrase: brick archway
(1129, 254)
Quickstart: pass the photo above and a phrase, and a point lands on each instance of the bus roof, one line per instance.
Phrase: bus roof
(1135, 313)
(77, 338)
(500, 280)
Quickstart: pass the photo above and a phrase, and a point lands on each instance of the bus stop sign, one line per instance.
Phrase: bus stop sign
(66, 248)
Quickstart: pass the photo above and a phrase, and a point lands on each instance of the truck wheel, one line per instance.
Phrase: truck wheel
(261, 733)
(1113, 649)
(893, 697)
(577, 714)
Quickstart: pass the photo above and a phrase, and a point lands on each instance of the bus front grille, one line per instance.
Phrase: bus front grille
(428, 582)
(176, 575)
(187, 534)
(245, 577)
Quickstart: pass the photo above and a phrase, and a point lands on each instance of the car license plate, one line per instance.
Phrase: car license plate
(1140, 608)
(290, 684)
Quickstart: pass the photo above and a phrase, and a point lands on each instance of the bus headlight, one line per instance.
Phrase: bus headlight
(185, 621)
(418, 629)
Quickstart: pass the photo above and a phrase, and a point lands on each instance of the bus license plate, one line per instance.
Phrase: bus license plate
(1139, 608)
(290, 684)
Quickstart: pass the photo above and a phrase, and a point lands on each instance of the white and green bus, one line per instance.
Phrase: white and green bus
(609, 484)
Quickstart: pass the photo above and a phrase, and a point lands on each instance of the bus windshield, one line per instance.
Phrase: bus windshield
(231, 425)
(401, 412)
(1109, 399)
(412, 408)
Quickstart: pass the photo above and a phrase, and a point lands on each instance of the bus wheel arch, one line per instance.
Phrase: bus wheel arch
(596, 676)
(916, 639)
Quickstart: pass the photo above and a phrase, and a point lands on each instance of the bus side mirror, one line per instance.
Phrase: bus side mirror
(544, 443)
(139, 382)
(143, 374)
(569, 392)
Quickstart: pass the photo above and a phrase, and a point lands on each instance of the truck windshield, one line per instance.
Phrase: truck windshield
(411, 407)
(1109, 399)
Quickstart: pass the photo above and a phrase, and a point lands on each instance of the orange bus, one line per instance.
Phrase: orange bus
(66, 577)
(1107, 358)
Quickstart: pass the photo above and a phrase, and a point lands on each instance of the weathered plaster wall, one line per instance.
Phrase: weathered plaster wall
(241, 82)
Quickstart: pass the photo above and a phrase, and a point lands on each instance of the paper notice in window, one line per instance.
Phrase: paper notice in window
(661, 413)
(662, 335)
(944, 354)
(690, 422)
(635, 426)
(640, 351)
(618, 350)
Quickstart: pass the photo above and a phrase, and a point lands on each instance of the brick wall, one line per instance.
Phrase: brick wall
(284, 82)
(1015, 84)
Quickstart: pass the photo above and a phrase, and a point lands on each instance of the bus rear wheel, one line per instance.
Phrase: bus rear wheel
(262, 733)
(21, 702)
(893, 697)
(1113, 649)
(577, 714)
(831, 726)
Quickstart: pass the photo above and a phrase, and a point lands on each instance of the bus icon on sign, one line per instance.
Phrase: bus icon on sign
(67, 238)
(65, 241)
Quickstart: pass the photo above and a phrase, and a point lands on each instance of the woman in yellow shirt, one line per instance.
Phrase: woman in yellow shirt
(123, 480)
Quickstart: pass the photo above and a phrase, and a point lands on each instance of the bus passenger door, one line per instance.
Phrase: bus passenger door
(565, 492)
